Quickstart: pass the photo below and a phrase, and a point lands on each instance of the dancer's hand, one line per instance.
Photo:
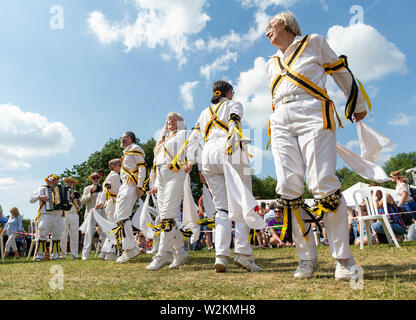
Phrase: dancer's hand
(140, 192)
(152, 191)
(358, 116)
(188, 167)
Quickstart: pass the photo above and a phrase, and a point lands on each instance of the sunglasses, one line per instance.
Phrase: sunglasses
(96, 178)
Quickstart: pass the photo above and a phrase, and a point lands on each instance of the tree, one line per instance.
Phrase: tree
(401, 161)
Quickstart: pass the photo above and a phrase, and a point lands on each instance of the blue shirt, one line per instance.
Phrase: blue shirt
(14, 224)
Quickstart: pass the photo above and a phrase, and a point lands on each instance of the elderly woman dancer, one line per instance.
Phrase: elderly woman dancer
(303, 138)
(169, 161)
(214, 126)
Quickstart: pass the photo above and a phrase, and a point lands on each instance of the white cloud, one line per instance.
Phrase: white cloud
(385, 154)
(234, 40)
(370, 55)
(25, 135)
(186, 92)
(253, 92)
(324, 5)
(159, 22)
(9, 183)
(351, 144)
(222, 63)
(401, 119)
(264, 4)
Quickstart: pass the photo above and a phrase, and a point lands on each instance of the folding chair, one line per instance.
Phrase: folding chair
(368, 197)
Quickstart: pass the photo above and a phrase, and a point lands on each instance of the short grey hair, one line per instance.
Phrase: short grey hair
(180, 123)
(289, 20)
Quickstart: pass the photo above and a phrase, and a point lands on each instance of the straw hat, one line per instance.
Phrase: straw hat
(95, 174)
(70, 179)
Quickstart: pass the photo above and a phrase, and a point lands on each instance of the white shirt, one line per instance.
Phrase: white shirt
(130, 161)
(228, 107)
(403, 187)
(113, 179)
(311, 65)
(174, 142)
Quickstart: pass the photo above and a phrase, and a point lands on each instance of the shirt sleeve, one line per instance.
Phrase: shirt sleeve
(35, 195)
(142, 171)
(86, 195)
(236, 108)
(193, 149)
(342, 77)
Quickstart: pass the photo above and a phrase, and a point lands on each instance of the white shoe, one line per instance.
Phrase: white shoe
(179, 260)
(128, 255)
(54, 256)
(84, 257)
(102, 255)
(246, 262)
(110, 256)
(221, 264)
(40, 257)
(306, 269)
(158, 263)
(344, 269)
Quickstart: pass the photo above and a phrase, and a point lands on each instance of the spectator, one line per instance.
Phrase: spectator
(406, 203)
(13, 226)
(275, 225)
(270, 214)
(141, 242)
(364, 236)
(352, 225)
(396, 221)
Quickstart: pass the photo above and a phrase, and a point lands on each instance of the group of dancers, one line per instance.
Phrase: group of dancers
(303, 139)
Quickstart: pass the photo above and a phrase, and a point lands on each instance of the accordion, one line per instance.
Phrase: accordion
(59, 198)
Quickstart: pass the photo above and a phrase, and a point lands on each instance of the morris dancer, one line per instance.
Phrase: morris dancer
(303, 137)
(215, 125)
(169, 161)
(133, 174)
(71, 222)
(49, 221)
(89, 199)
(107, 201)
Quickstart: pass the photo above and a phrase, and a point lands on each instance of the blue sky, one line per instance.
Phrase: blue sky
(120, 65)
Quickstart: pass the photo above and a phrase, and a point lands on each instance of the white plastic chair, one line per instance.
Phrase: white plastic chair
(368, 196)
(35, 239)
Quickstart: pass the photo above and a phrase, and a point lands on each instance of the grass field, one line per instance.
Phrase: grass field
(389, 273)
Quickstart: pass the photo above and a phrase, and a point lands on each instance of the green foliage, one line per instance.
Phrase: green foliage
(264, 188)
(401, 161)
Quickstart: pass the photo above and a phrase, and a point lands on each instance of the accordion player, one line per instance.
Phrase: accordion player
(59, 197)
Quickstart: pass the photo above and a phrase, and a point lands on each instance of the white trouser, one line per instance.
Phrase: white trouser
(171, 241)
(11, 242)
(71, 226)
(52, 222)
(126, 198)
(213, 171)
(86, 249)
(299, 144)
(169, 191)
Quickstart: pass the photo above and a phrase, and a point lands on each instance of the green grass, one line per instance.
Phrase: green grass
(389, 273)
